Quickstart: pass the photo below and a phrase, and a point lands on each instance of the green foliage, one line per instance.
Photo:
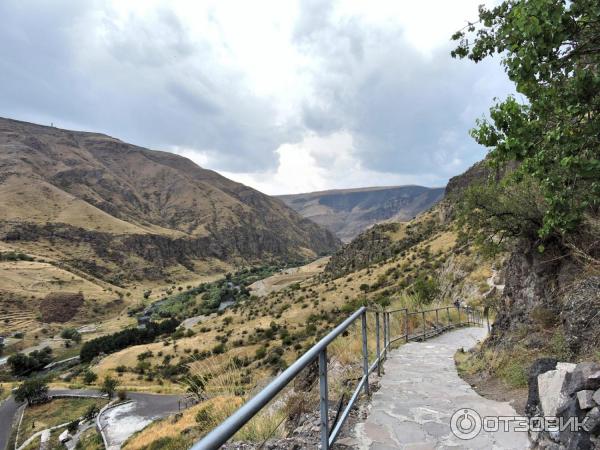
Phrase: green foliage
(492, 213)
(32, 391)
(72, 334)
(514, 373)
(126, 338)
(73, 426)
(22, 364)
(15, 256)
(89, 377)
(559, 347)
(207, 297)
(109, 386)
(550, 51)
(425, 289)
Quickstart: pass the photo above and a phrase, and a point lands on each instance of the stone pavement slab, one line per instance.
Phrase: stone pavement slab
(420, 391)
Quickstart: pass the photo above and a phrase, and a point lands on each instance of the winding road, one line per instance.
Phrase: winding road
(8, 409)
(118, 423)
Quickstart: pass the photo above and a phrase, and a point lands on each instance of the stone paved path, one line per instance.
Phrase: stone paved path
(420, 391)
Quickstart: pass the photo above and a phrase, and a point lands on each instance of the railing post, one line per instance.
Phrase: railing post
(324, 401)
(487, 318)
(406, 323)
(365, 351)
(388, 330)
(423, 313)
(437, 318)
(459, 321)
(379, 356)
(448, 314)
(385, 341)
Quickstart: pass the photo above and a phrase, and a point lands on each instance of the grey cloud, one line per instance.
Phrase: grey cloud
(144, 82)
(163, 39)
(148, 83)
(400, 106)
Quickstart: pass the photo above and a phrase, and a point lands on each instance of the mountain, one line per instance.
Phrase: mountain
(120, 212)
(347, 212)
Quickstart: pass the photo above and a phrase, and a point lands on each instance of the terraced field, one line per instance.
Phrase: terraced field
(14, 321)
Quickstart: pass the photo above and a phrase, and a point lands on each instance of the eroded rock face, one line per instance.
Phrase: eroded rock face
(580, 315)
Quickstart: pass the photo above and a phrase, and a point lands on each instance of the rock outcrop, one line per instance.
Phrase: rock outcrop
(569, 393)
(348, 212)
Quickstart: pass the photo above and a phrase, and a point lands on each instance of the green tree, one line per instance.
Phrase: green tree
(72, 334)
(89, 377)
(91, 412)
(73, 426)
(426, 289)
(32, 391)
(109, 386)
(550, 50)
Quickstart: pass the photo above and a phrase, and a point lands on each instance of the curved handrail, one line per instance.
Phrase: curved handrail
(219, 435)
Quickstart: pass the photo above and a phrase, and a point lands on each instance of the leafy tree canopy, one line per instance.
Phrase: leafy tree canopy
(32, 390)
(551, 51)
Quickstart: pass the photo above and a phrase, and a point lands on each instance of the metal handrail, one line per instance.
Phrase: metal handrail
(238, 419)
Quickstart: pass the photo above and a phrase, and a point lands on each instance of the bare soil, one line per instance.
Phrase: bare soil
(496, 389)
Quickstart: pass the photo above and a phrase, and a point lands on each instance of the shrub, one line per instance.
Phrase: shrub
(126, 338)
(73, 426)
(109, 386)
(89, 377)
(32, 391)
(72, 334)
(22, 364)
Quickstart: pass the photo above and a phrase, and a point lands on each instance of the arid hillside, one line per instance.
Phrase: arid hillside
(348, 212)
(119, 212)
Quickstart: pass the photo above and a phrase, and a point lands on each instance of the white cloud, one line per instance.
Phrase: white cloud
(286, 96)
(320, 163)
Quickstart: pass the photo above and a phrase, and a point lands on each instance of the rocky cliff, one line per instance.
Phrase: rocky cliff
(348, 212)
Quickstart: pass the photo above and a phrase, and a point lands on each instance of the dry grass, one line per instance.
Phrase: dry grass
(40, 417)
(198, 420)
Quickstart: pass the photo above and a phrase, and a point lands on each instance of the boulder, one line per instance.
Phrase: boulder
(585, 376)
(585, 399)
(550, 388)
(538, 367)
(573, 439)
(64, 436)
(592, 420)
(596, 397)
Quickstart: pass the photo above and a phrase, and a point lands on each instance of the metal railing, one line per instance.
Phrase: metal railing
(329, 433)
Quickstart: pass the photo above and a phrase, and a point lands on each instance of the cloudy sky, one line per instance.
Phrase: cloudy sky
(285, 96)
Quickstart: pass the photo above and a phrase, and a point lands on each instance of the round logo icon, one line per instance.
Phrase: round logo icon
(465, 423)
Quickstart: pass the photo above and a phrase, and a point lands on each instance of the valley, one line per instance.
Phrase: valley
(335, 226)
(348, 212)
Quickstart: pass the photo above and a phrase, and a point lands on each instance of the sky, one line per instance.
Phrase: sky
(284, 96)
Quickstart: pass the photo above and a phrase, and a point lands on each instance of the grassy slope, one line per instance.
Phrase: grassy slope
(55, 412)
(318, 300)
